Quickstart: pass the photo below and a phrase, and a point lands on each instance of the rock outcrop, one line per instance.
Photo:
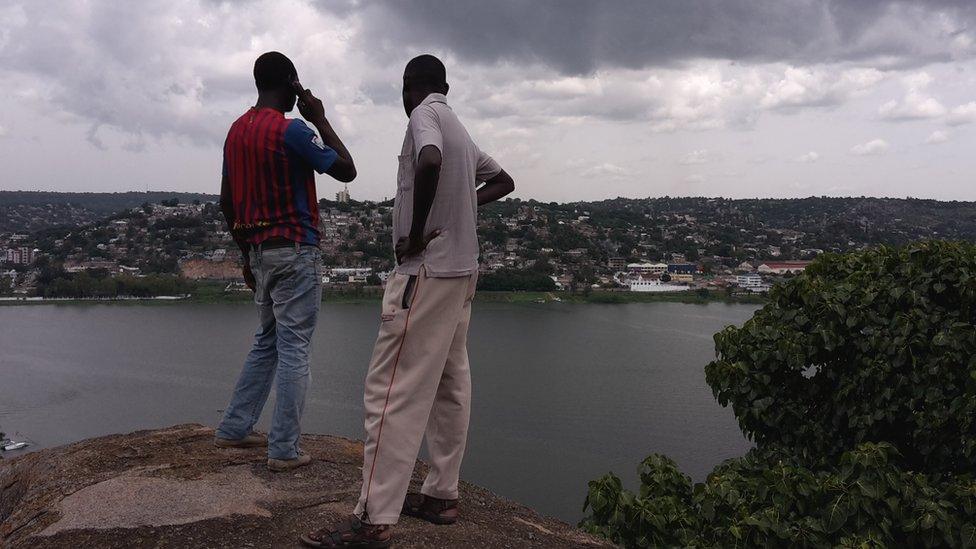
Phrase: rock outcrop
(205, 269)
(172, 488)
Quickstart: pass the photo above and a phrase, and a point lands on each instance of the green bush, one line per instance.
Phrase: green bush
(506, 279)
(771, 499)
(99, 284)
(872, 346)
(858, 384)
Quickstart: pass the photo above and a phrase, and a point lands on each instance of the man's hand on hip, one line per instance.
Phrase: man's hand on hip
(409, 247)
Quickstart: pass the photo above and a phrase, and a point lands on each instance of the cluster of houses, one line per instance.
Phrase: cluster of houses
(573, 245)
(23, 255)
(758, 280)
(676, 277)
(15, 252)
(16, 249)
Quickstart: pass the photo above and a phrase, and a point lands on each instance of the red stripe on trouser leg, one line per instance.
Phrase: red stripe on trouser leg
(379, 434)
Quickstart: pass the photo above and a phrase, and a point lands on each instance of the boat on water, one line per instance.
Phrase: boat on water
(8, 445)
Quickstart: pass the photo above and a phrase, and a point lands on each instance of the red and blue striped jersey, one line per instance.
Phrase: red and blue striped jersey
(268, 162)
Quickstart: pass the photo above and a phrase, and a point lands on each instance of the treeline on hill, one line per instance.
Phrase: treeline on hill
(54, 281)
(857, 383)
(835, 220)
(104, 203)
(31, 211)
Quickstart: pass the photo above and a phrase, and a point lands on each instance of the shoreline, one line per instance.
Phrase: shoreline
(206, 296)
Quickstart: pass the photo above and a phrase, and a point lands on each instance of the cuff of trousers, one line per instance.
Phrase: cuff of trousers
(381, 521)
(221, 432)
(439, 495)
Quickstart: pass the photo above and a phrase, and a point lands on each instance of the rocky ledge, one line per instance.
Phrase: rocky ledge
(172, 488)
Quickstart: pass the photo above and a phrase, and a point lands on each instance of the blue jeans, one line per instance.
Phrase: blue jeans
(288, 291)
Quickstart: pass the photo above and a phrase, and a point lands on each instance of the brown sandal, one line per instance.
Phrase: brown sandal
(431, 509)
(351, 533)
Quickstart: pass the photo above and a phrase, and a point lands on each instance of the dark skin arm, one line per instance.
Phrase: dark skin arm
(312, 110)
(227, 207)
(424, 188)
(496, 188)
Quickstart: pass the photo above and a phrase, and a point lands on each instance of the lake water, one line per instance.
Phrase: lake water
(562, 393)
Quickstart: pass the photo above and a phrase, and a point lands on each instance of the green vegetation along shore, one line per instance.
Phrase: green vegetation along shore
(210, 292)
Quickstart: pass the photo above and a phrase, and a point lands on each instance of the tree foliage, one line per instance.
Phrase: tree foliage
(858, 384)
(507, 279)
(54, 282)
(770, 498)
(873, 346)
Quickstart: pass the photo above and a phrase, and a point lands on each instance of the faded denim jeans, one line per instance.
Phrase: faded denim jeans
(288, 291)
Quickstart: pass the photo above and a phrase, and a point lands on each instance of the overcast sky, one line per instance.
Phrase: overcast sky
(578, 100)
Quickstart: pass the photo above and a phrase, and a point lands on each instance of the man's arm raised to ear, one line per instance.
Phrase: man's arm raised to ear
(496, 188)
(425, 181)
(312, 109)
(343, 169)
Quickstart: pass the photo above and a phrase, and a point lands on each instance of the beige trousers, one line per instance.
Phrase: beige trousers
(418, 383)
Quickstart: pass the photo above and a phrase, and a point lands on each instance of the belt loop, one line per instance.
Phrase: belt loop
(297, 247)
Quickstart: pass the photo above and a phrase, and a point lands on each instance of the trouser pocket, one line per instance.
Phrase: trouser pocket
(408, 291)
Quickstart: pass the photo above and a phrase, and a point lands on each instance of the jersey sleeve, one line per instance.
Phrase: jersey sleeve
(304, 142)
(425, 130)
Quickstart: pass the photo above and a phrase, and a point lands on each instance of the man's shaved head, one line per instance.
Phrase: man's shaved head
(426, 70)
(424, 75)
(273, 70)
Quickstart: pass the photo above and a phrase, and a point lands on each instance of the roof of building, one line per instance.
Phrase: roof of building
(785, 264)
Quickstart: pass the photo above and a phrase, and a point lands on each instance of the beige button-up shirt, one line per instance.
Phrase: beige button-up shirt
(455, 209)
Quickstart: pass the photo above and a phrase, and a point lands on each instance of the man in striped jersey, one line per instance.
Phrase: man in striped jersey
(268, 198)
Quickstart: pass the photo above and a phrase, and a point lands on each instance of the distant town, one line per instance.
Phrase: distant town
(69, 246)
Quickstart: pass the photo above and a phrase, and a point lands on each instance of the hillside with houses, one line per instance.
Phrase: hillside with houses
(645, 245)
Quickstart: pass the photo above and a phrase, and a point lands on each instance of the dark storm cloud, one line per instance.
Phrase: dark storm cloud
(579, 36)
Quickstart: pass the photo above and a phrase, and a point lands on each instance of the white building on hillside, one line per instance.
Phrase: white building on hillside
(644, 269)
(752, 282)
(654, 285)
(23, 255)
(353, 275)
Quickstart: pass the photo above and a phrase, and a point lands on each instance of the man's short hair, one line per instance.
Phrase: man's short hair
(273, 70)
(427, 69)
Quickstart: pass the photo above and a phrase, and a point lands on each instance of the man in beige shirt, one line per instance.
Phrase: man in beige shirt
(418, 381)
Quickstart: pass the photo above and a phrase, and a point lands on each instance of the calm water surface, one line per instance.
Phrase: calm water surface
(562, 393)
